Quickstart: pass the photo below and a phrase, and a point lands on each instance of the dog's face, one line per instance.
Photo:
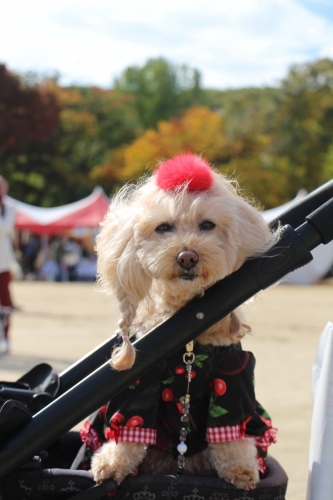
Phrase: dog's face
(187, 240)
(181, 240)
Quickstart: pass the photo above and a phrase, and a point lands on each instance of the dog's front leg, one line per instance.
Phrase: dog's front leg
(117, 460)
(235, 461)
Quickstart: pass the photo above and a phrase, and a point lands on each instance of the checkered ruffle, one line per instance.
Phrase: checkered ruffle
(226, 433)
(232, 433)
(267, 439)
(90, 436)
(134, 435)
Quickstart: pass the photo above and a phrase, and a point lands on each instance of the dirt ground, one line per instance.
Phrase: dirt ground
(60, 322)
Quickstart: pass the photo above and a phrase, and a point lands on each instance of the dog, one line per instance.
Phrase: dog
(164, 241)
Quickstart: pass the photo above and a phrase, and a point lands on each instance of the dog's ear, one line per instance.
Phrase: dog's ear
(253, 232)
(236, 324)
(120, 273)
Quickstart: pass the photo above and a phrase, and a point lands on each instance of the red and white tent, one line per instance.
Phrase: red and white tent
(88, 212)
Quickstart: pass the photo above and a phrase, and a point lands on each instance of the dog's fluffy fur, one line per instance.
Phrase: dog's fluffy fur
(146, 228)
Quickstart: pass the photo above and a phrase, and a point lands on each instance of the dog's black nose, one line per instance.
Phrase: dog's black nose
(187, 259)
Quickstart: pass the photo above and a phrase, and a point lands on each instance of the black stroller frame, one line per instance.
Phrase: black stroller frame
(90, 383)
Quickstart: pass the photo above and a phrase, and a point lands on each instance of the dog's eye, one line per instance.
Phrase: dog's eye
(207, 225)
(164, 228)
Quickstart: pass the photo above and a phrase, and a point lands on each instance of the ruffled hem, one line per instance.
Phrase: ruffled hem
(262, 466)
(131, 434)
(235, 432)
(90, 436)
(268, 438)
(226, 433)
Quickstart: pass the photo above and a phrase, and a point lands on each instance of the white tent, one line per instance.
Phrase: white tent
(322, 261)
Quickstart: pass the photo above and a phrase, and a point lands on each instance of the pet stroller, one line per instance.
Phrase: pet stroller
(38, 411)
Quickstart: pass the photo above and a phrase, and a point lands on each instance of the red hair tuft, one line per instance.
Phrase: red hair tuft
(185, 169)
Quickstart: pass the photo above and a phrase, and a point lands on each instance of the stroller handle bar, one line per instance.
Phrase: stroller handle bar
(288, 254)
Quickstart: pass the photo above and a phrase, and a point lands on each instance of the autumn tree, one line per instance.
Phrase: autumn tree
(57, 142)
(26, 114)
(303, 127)
(93, 122)
(161, 90)
(51, 137)
(199, 130)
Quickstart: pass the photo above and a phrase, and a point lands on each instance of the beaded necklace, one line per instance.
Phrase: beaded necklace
(188, 359)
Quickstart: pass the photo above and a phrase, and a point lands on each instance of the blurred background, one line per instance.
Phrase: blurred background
(96, 93)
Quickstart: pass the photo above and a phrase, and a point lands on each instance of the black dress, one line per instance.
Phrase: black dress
(223, 406)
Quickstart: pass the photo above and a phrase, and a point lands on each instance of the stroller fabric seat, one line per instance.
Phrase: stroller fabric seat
(64, 484)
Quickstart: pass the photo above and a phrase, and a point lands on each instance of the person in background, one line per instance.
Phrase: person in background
(72, 258)
(7, 257)
(30, 253)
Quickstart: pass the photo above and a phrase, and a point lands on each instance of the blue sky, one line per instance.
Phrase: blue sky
(233, 43)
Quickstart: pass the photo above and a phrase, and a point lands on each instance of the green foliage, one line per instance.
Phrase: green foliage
(303, 126)
(246, 111)
(161, 90)
(328, 164)
(285, 134)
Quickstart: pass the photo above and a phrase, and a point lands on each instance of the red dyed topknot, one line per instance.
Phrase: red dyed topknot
(185, 169)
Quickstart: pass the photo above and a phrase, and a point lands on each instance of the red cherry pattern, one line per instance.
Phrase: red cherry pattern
(180, 370)
(135, 421)
(219, 387)
(193, 374)
(117, 418)
(167, 395)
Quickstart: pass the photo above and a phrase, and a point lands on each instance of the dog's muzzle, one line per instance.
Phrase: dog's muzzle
(187, 260)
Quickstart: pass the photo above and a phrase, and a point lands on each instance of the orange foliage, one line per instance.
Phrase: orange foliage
(199, 131)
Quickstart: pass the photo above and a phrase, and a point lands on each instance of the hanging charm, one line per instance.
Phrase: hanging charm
(188, 359)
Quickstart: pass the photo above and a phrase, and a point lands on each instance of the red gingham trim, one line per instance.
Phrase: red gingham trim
(232, 433)
(262, 465)
(226, 433)
(267, 439)
(136, 435)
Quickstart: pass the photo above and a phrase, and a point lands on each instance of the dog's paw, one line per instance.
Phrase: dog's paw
(104, 464)
(117, 461)
(241, 475)
(235, 461)
(103, 469)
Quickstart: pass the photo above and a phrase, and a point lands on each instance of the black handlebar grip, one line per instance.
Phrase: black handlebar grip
(322, 220)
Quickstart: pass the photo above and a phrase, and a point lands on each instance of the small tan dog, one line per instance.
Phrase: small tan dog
(163, 242)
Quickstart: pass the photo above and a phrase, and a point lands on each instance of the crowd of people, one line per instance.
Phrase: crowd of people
(54, 258)
(57, 258)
